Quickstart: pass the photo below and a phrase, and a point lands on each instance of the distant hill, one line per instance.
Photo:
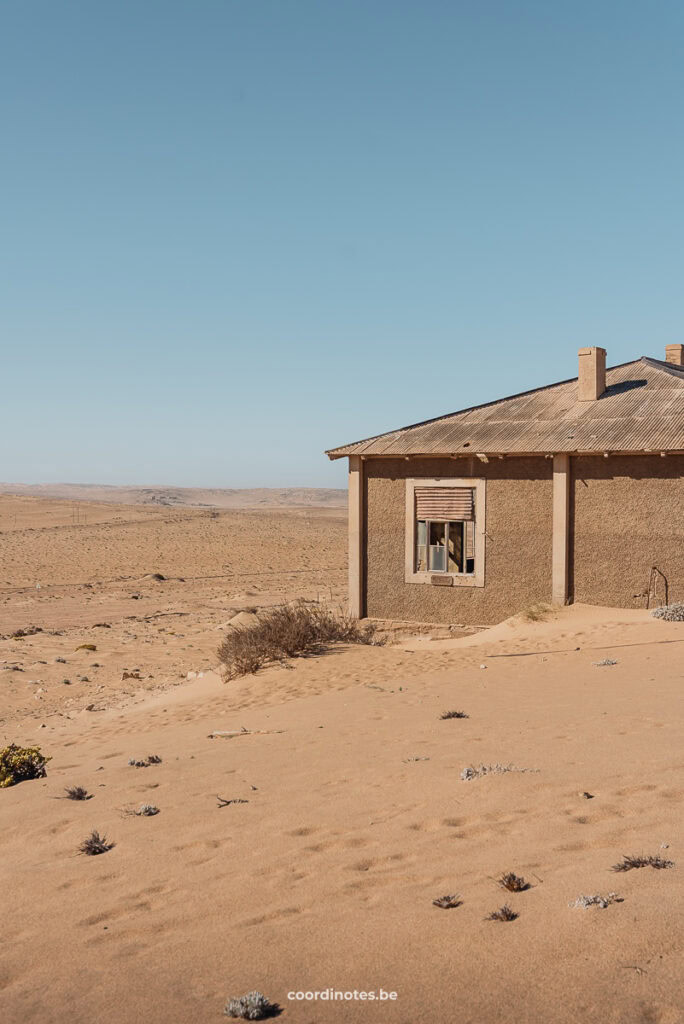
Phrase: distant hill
(190, 497)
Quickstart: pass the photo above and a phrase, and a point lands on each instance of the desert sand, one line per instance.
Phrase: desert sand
(356, 816)
(162, 494)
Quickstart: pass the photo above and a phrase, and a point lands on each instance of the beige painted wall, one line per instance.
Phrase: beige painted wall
(628, 516)
(518, 541)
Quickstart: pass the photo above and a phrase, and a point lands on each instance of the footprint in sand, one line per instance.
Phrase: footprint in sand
(282, 914)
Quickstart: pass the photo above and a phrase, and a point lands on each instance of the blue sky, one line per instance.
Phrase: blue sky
(238, 232)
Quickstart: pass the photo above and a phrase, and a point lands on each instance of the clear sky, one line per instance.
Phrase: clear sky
(237, 232)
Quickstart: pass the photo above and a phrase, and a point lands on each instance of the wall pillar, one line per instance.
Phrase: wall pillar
(561, 529)
(356, 488)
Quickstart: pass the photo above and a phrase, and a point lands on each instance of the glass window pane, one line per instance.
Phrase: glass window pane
(421, 546)
(470, 547)
(456, 547)
(437, 547)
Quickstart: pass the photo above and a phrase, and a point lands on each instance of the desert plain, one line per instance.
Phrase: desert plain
(353, 805)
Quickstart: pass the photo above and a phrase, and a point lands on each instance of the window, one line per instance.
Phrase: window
(451, 546)
(445, 531)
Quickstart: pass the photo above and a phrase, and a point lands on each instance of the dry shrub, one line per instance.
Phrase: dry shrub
(287, 631)
(597, 900)
(17, 764)
(538, 612)
(253, 1006)
(448, 902)
(640, 861)
(19, 634)
(502, 914)
(135, 762)
(478, 771)
(669, 612)
(513, 882)
(77, 793)
(95, 844)
(147, 810)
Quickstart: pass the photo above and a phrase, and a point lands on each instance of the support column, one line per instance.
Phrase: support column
(356, 488)
(561, 529)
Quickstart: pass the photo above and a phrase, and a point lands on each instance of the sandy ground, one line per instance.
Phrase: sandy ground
(94, 582)
(162, 494)
(356, 816)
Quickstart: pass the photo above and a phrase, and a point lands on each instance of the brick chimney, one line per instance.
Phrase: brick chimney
(591, 382)
(674, 354)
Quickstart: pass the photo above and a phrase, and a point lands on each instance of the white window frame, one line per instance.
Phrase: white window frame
(455, 579)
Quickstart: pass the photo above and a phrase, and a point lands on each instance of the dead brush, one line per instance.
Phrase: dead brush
(479, 771)
(448, 902)
(512, 882)
(287, 631)
(538, 612)
(452, 714)
(253, 1006)
(640, 861)
(134, 762)
(227, 803)
(95, 844)
(502, 914)
(669, 612)
(77, 793)
(146, 811)
(597, 900)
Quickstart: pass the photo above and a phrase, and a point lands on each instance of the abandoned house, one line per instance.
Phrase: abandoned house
(571, 492)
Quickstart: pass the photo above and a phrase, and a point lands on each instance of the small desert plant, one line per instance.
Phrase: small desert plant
(639, 861)
(604, 663)
(253, 1006)
(597, 900)
(669, 612)
(147, 810)
(453, 714)
(473, 772)
(537, 612)
(76, 793)
(17, 764)
(94, 844)
(19, 634)
(226, 803)
(448, 902)
(502, 914)
(513, 883)
(287, 631)
(144, 762)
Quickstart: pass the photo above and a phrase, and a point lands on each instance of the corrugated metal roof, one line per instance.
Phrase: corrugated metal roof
(642, 409)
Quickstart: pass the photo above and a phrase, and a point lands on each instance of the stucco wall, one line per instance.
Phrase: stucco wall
(518, 541)
(628, 516)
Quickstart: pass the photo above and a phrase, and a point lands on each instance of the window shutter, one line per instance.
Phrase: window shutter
(450, 503)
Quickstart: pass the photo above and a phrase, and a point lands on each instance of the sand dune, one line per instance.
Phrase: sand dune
(356, 817)
(214, 497)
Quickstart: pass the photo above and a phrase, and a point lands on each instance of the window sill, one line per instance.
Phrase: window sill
(450, 579)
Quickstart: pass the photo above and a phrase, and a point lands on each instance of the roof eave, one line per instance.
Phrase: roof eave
(540, 453)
